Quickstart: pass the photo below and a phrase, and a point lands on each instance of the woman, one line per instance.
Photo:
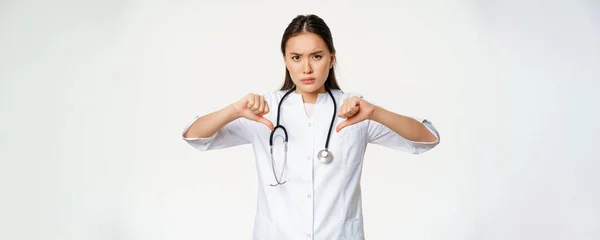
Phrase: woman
(313, 189)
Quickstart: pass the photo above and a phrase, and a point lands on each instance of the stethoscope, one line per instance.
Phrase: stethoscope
(324, 155)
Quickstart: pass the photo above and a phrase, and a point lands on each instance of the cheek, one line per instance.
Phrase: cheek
(323, 70)
(292, 67)
(294, 71)
(295, 68)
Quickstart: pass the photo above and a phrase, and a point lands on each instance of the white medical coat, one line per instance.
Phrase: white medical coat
(319, 201)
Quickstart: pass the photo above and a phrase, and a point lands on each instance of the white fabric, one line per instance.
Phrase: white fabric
(319, 201)
(308, 108)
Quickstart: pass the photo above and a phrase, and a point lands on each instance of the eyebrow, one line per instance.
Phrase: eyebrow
(316, 52)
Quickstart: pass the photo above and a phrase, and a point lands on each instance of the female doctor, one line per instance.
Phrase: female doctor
(309, 140)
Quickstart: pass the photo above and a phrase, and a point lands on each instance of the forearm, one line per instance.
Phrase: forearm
(210, 124)
(406, 127)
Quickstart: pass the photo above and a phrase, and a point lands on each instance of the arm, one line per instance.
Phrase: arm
(407, 127)
(390, 129)
(227, 127)
(209, 124)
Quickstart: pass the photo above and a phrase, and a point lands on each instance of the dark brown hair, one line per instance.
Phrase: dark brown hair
(313, 24)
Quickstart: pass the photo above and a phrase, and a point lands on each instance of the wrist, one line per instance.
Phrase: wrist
(232, 112)
(375, 114)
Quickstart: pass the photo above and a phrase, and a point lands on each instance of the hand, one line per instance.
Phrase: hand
(253, 107)
(355, 110)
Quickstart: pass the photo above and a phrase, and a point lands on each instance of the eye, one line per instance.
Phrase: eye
(296, 57)
(317, 56)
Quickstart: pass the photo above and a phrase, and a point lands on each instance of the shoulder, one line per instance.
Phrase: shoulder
(273, 95)
(348, 94)
(351, 94)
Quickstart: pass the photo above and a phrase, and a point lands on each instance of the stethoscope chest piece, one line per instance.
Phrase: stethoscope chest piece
(325, 156)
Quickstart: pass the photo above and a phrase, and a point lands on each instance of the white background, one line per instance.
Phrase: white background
(94, 96)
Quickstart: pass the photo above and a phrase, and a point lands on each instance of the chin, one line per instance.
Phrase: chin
(309, 89)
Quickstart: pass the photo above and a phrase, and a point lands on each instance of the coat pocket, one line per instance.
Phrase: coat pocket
(353, 229)
(353, 145)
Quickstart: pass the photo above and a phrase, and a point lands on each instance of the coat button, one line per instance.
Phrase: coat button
(309, 124)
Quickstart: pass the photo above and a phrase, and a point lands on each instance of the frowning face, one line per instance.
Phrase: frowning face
(308, 61)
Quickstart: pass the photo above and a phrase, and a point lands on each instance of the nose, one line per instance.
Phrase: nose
(307, 67)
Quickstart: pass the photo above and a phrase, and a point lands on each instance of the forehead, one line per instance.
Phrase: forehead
(305, 42)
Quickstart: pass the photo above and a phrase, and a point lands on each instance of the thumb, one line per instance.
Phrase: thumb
(262, 120)
(266, 122)
(347, 122)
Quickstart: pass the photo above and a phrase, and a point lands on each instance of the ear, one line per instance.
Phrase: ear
(332, 60)
(285, 61)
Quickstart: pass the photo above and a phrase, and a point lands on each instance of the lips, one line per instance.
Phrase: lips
(308, 80)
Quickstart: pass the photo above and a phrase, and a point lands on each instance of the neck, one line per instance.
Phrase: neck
(310, 97)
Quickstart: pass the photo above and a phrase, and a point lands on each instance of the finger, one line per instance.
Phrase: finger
(344, 124)
(339, 113)
(357, 101)
(340, 126)
(351, 104)
(261, 107)
(266, 122)
(260, 119)
(347, 109)
(354, 110)
(354, 107)
(253, 97)
(256, 103)
(342, 112)
(250, 100)
(267, 110)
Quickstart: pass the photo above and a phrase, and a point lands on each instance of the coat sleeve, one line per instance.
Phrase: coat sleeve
(232, 134)
(381, 135)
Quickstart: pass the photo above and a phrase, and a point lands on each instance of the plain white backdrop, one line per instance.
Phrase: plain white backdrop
(94, 96)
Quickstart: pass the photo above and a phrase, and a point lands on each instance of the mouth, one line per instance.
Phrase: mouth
(308, 80)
